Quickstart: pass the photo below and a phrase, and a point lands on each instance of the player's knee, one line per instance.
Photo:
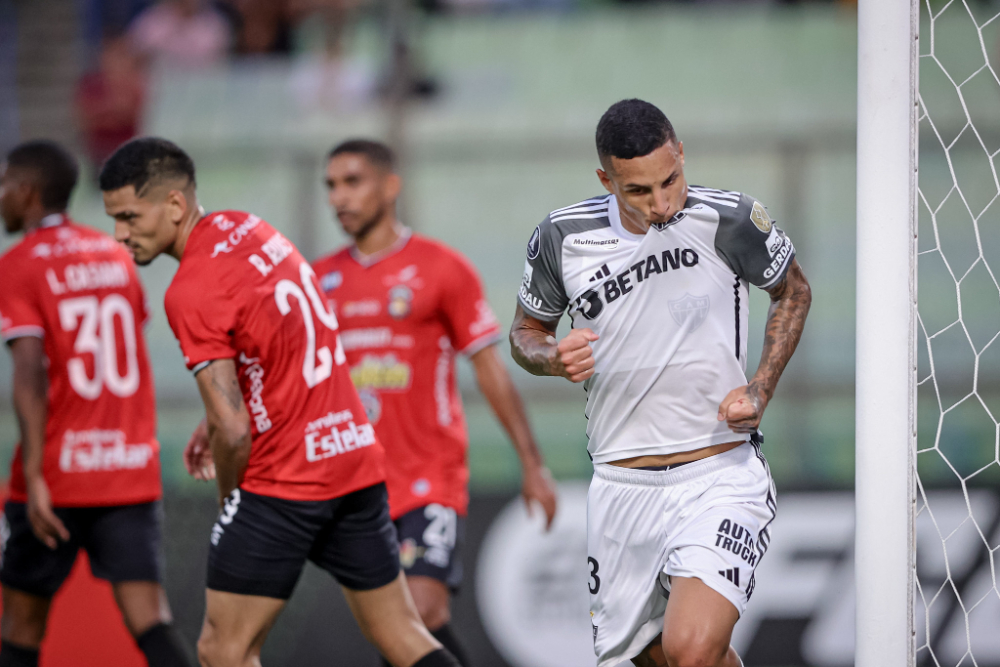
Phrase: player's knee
(690, 650)
(214, 651)
(23, 626)
(433, 613)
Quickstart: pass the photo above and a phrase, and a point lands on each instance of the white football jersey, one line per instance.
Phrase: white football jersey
(670, 307)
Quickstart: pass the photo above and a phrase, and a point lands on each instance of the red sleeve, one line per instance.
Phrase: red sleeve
(20, 310)
(469, 319)
(201, 321)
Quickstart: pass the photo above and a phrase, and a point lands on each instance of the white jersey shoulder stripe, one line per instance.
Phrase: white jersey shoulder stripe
(585, 202)
(579, 216)
(581, 209)
(714, 200)
(722, 194)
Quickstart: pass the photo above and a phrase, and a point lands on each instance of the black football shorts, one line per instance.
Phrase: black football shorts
(123, 543)
(430, 543)
(260, 544)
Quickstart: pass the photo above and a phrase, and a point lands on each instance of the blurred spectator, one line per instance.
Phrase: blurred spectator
(327, 79)
(186, 33)
(263, 26)
(110, 99)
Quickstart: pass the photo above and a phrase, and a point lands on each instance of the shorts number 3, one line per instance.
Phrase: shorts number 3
(594, 568)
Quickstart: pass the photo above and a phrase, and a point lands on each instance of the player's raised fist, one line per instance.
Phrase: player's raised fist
(574, 356)
(742, 409)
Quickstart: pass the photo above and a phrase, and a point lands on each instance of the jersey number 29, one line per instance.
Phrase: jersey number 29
(318, 364)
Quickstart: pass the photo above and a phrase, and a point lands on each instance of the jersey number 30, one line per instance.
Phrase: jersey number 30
(96, 336)
(318, 364)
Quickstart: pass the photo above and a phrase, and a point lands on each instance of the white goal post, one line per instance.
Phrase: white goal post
(886, 332)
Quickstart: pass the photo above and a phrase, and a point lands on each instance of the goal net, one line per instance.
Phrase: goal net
(956, 605)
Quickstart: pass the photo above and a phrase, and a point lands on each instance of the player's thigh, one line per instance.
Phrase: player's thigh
(431, 540)
(358, 545)
(698, 623)
(389, 620)
(235, 627)
(31, 573)
(259, 544)
(728, 534)
(626, 551)
(125, 543)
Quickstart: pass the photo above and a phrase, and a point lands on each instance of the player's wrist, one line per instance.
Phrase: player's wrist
(533, 467)
(34, 480)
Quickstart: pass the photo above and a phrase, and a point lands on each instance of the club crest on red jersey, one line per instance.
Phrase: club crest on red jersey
(400, 301)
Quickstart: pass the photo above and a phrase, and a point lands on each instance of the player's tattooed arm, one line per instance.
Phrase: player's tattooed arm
(228, 423)
(31, 406)
(744, 407)
(535, 349)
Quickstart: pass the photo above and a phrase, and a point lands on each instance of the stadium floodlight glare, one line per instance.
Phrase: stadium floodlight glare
(886, 332)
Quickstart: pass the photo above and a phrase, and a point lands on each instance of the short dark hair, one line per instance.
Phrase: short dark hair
(632, 128)
(378, 154)
(55, 170)
(143, 162)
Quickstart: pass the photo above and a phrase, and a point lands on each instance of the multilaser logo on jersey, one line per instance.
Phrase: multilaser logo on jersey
(384, 372)
(591, 303)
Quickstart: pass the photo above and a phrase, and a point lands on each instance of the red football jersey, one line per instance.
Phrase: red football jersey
(78, 290)
(404, 315)
(243, 292)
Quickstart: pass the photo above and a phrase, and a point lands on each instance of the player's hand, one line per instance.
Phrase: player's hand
(46, 526)
(574, 356)
(198, 454)
(539, 487)
(743, 409)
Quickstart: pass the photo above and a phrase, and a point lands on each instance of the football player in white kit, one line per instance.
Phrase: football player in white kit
(655, 278)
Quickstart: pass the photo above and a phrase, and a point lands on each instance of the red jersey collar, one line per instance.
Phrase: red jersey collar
(370, 260)
(52, 220)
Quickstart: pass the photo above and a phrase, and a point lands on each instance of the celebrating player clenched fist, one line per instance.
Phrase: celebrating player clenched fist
(574, 358)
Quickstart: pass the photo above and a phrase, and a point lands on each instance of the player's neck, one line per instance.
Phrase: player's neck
(33, 219)
(184, 232)
(381, 237)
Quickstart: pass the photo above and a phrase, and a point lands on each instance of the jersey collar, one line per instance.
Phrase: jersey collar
(370, 260)
(614, 217)
(53, 220)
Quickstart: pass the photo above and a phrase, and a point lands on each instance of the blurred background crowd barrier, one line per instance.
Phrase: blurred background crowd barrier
(492, 105)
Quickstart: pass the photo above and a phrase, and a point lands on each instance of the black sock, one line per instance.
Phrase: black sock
(17, 656)
(438, 658)
(448, 639)
(163, 647)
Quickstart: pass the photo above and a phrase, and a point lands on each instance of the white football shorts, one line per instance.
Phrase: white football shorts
(708, 519)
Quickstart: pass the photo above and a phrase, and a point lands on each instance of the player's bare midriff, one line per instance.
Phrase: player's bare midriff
(673, 459)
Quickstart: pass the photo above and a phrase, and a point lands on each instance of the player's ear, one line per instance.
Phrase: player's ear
(393, 186)
(177, 206)
(605, 180)
(680, 151)
(25, 189)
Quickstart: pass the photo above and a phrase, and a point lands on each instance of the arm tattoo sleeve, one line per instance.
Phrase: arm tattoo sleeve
(786, 318)
(533, 344)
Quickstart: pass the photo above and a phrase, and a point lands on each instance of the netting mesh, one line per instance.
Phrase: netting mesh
(958, 410)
